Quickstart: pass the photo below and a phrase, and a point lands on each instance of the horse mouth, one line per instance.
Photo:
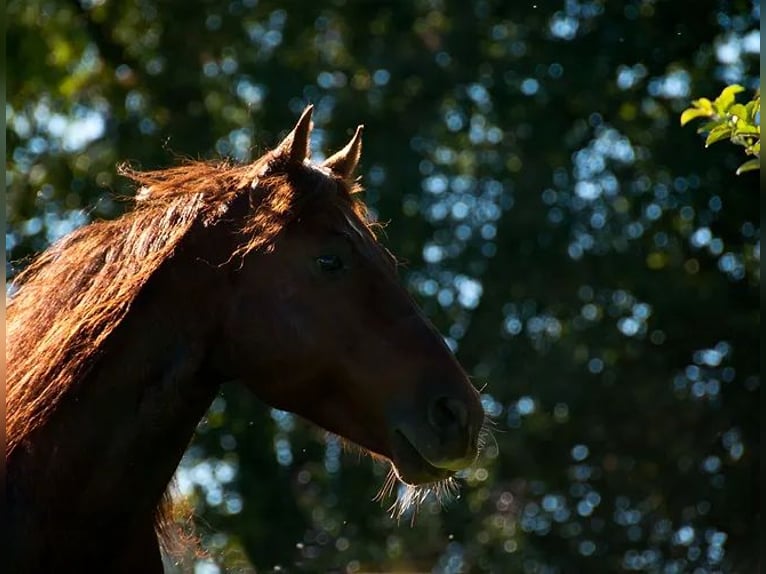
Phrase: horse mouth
(410, 466)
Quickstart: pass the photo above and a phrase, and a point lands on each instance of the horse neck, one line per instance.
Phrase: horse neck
(115, 440)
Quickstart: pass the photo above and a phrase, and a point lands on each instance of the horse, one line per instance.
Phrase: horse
(267, 273)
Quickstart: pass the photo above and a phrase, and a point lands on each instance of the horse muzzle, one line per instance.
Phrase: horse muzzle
(433, 447)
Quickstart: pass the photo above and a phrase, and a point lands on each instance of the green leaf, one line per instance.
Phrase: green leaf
(723, 102)
(739, 111)
(745, 129)
(691, 113)
(709, 126)
(717, 134)
(703, 104)
(753, 107)
(749, 165)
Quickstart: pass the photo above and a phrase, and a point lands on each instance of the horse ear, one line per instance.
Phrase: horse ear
(295, 146)
(344, 162)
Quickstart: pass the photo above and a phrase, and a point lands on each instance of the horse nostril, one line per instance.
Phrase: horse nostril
(445, 413)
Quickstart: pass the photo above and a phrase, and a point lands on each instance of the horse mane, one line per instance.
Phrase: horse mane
(73, 296)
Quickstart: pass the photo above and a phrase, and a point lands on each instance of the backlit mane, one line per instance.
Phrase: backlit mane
(90, 278)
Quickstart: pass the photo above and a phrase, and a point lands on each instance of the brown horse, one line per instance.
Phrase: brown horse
(120, 335)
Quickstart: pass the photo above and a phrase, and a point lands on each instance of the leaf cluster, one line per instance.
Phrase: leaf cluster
(740, 123)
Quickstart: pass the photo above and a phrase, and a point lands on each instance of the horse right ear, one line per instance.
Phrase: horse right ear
(344, 162)
(295, 146)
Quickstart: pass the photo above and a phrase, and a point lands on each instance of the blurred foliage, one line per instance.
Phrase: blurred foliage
(728, 119)
(593, 270)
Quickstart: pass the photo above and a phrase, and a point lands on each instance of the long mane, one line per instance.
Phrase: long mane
(71, 298)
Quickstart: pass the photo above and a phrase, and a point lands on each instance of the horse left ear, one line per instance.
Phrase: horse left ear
(295, 146)
(344, 162)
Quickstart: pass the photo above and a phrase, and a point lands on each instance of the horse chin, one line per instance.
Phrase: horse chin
(417, 480)
(411, 467)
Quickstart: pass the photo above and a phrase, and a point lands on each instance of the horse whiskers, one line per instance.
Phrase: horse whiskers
(349, 447)
(407, 497)
(487, 434)
(411, 497)
(387, 487)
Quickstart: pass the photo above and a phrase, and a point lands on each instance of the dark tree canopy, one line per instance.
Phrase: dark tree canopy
(595, 269)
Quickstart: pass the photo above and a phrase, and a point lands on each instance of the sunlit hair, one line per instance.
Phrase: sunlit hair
(410, 498)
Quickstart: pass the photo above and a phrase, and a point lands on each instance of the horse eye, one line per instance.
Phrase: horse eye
(330, 263)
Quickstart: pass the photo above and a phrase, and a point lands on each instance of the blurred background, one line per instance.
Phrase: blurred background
(592, 265)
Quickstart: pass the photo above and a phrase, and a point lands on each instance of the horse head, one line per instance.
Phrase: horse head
(317, 322)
